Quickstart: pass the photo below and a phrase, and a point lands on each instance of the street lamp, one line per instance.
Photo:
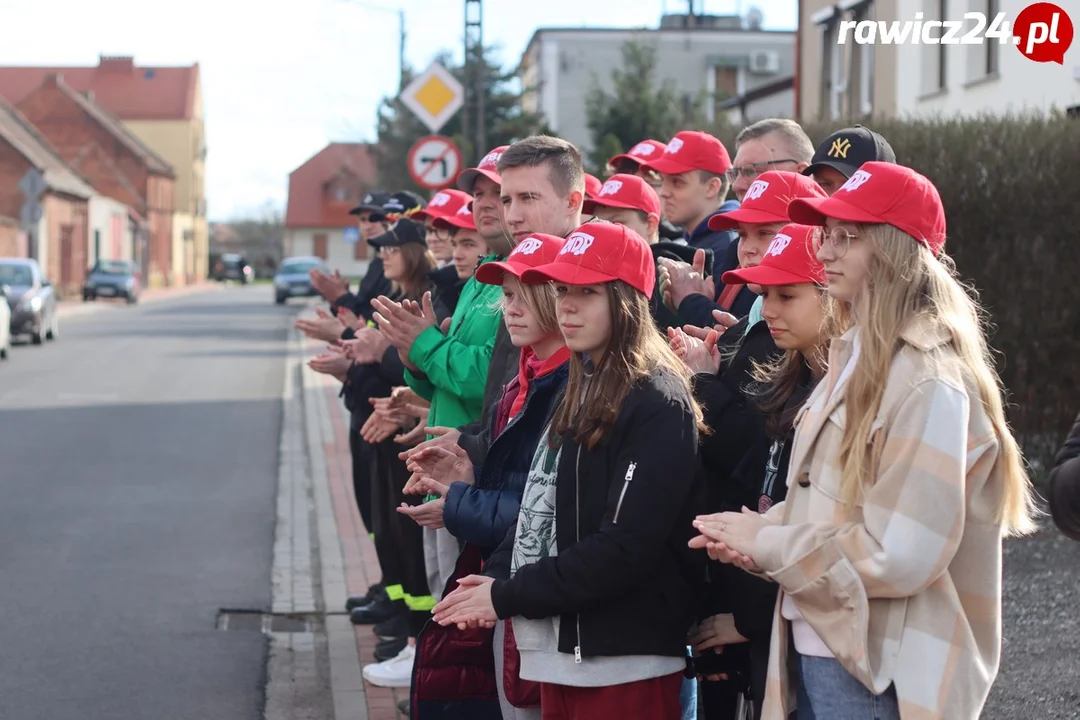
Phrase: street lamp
(401, 35)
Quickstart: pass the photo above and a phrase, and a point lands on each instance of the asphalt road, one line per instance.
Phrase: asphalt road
(138, 466)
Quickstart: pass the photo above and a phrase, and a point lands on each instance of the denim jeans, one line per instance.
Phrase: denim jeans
(688, 698)
(828, 691)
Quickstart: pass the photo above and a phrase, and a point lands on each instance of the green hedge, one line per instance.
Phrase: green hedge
(1011, 189)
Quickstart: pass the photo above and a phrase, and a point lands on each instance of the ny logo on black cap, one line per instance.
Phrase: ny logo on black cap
(840, 147)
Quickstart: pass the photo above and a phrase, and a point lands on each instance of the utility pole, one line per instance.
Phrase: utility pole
(401, 50)
(473, 121)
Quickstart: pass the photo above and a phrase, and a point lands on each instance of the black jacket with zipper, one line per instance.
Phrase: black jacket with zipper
(624, 581)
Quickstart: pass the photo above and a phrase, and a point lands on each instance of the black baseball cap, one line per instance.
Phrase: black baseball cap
(402, 232)
(403, 202)
(846, 150)
(372, 203)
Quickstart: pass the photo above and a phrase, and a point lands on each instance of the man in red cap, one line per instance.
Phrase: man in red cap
(694, 168)
(633, 162)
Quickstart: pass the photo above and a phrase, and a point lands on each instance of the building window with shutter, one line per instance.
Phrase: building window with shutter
(319, 244)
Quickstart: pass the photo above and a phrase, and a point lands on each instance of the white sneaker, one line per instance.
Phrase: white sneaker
(395, 672)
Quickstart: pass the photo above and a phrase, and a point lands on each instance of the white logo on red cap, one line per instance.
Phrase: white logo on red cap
(674, 146)
(577, 243)
(643, 149)
(464, 210)
(490, 161)
(857, 180)
(528, 246)
(756, 190)
(611, 187)
(439, 200)
(778, 245)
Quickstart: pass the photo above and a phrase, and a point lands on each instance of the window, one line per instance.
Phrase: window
(935, 68)
(319, 243)
(862, 57)
(982, 60)
(828, 23)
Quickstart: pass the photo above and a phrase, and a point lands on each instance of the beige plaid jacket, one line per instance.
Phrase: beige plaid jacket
(906, 588)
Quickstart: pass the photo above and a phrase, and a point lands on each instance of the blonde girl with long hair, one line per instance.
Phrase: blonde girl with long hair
(904, 479)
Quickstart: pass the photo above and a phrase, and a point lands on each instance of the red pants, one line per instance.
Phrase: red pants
(656, 699)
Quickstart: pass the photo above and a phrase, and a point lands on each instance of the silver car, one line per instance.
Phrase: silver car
(292, 278)
(32, 299)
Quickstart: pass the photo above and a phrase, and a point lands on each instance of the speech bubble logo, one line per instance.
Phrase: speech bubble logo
(1043, 33)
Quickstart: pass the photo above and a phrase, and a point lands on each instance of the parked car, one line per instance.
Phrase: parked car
(31, 298)
(112, 278)
(293, 279)
(5, 324)
(231, 266)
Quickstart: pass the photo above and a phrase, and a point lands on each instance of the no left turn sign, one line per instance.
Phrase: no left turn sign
(434, 162)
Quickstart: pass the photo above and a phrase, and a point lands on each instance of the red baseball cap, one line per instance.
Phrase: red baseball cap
(592, 186)
(882, 193)
(597, 253)
(488, 167)
(443, 204)
(462, 219)
(767, 199)
(641, 153)
(790, 260)
(536, 250)
(692, 150)
(625, 191)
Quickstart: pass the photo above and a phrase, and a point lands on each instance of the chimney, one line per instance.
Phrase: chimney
(52, 79)
(116, 63)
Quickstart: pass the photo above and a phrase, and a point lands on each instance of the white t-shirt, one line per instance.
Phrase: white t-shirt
(807, 641)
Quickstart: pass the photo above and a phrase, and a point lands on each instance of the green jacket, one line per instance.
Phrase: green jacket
(454, 366)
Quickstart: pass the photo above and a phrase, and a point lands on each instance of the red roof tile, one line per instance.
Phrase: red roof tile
(128, 91)
(309, 204)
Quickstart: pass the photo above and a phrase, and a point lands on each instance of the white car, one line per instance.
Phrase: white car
(5, 325)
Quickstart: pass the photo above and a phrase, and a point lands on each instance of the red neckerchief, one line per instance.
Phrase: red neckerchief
(531, 367)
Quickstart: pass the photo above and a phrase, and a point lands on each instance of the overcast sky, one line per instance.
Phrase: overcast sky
(281, 78)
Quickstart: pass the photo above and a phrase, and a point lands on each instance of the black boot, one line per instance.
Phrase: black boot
(397, 626)
(356, 601)
(389, 648)
(379, 609)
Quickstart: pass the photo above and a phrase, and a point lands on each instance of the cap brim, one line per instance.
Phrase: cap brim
(845, 169)
(764, 275)
(422, 215)
(731, 220)
(590, 205)
(813, 211)
(493, 273)
(625, 158)
(374, 209)
(565, 272)
(667, 166)
(455, 222)
(467, 179)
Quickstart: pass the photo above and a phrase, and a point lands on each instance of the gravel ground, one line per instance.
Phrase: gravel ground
(1040, 668)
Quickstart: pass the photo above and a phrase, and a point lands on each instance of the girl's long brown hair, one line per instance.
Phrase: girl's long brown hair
(588, 409)
(419, 262)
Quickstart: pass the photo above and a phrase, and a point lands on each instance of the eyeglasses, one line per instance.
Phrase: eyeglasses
(751, 171)
(387, 250)
(440, 233)
(839, 240)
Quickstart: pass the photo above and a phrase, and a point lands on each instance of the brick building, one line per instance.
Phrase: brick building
(59, 240)
(115, 161)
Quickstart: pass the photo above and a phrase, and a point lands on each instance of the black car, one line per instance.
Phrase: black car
(31, 298)
(234, 267)
(112, 279)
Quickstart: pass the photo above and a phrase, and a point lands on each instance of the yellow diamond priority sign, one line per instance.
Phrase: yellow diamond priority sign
(434, 96)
